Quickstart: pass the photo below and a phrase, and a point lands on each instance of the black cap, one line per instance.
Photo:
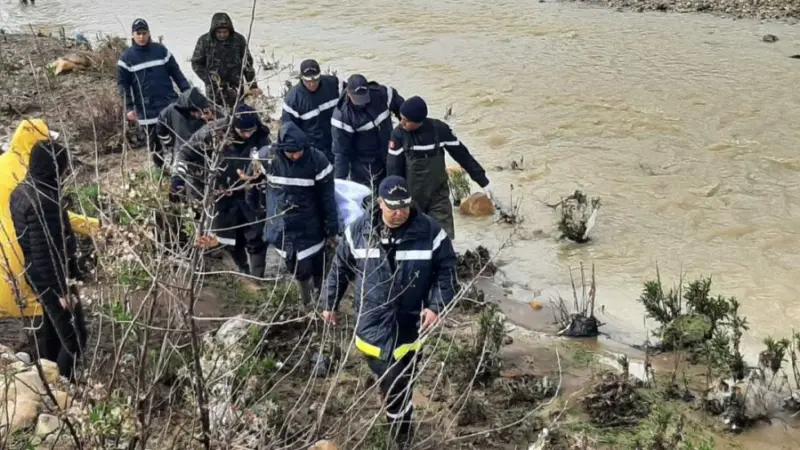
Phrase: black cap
(394, 192)
(140, 24)
(358, 88)
(309, 70)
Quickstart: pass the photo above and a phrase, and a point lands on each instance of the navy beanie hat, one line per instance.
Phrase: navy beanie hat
(246, 118)
(414, 109)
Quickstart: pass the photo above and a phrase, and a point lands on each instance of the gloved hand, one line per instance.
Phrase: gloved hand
(491, 195)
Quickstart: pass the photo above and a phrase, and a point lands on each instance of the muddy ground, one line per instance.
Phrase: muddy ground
(788, 10)
(535, 380)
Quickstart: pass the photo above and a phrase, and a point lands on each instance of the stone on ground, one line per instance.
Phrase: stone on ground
(19, 414)
(477, 204)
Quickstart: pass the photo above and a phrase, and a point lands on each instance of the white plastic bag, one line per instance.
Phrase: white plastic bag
(349, 197)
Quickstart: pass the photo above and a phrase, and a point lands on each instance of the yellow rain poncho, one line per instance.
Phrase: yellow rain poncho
(13, 168)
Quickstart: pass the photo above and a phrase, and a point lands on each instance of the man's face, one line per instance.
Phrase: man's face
(141, 37)
(245, 134)
(311, 85)
(294, 156)
(206, 114)
(394, 218)
(408, 125)
(222, 33)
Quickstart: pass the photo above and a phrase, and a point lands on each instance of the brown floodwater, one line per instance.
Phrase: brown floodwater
(684, 125)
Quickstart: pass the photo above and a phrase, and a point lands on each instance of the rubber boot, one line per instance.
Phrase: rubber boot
(239, 256)
(258, 263)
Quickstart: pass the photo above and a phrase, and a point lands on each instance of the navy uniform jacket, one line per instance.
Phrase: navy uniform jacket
(391, 290)
(144, 77)
(312, 111)
(361, 134)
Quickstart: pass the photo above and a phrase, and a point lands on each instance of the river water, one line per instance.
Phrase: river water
(684, 125)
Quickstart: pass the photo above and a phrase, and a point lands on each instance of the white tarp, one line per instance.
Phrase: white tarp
(349, 196)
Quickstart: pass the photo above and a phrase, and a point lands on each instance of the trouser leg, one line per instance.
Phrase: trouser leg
(154, 145)
(48, 343)
(441, 209)
(70, 327)
(396, 385)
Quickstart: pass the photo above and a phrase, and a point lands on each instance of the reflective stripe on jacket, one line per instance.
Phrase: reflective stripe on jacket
(388, 300)
(301, 202)
(312, 111)
(145, 74)
(361, 135)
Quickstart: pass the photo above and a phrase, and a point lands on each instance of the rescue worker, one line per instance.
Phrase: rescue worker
(310, 105)
(402, 265)
(416, 152)
(49, 249)
(301, 206)
(235, 223)
(218, 59)
(362, 125)
(145, 73)
(181, 119)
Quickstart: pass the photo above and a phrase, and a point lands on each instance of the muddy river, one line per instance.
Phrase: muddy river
(685, 125)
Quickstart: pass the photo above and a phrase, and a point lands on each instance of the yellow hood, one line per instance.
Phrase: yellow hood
(13, 168)
(28, 133)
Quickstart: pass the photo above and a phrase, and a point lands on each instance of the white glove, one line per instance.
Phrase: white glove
(491, 195)
(489, 191)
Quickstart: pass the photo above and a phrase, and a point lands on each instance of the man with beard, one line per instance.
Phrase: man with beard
(220, 59)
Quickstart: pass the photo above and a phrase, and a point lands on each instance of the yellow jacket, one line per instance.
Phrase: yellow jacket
(13, 168)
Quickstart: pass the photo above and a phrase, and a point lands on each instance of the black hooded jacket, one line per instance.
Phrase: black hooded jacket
(223, 58)
(41, 223)
(176, 123)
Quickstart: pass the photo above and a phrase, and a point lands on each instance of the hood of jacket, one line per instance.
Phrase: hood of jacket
(192, 99)
(221, 20)
(28, 133)
(291, 136)
(49, 162)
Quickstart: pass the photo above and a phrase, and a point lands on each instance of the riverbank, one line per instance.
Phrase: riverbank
(783, 10)
(530, 380)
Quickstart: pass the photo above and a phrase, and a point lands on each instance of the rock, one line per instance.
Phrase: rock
(47, 424)
(769, 38)
(28, 385)
(19, 414)
(477, 204)
(5, 350)
(323, 445)
(535, 305)
(62, 399)
(50, 370)
(23, 357)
